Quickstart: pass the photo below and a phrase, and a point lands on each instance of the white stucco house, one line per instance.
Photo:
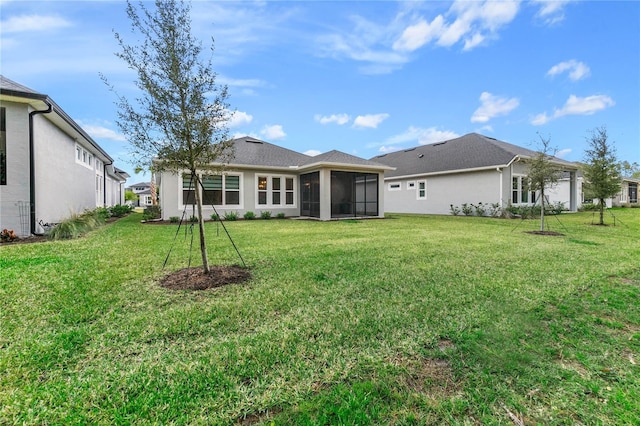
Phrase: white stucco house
(143, 191)
(266, 177)
(473, 168)
(49, 166)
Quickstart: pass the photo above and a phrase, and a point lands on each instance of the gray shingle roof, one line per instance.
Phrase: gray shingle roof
(10, 85)
(254, 152)
(257, 153)
(470, 151)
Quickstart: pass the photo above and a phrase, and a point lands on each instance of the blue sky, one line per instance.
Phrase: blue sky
(363, 77)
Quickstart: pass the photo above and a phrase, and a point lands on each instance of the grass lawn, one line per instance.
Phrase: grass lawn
(407, 320)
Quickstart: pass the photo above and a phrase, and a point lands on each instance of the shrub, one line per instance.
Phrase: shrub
(455, 210)
(249, 215)
(265, 214)
(120, 210)
(495, 210)
(151, 212)
(193, 218)
(281, 215)
(76, 225)
(174, 219)
(215, 216)
(555, 208)
(480, 209)
(587, 207)
(103, 212)
(231, 216)
(467, 209)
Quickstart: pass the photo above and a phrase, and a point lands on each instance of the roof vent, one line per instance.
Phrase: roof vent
(254, 141)
(439, 143)
(420, 155)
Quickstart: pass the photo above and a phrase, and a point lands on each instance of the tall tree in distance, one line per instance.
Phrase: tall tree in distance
(601, 170)
(179, 118)
(543, 173)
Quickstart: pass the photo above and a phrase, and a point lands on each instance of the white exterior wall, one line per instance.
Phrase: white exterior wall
(172, 205)
(16, 192)
(63, 186)
(444, 190)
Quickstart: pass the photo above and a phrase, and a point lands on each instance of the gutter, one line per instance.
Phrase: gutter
(32, 168)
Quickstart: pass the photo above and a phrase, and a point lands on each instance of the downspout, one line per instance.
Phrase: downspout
(501, 185)
(32, 169)
(104, 183)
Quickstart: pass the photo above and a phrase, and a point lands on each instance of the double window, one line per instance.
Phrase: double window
(519, 192)
(217, 190)
(84, 157)
(275, 191)
(421, 190)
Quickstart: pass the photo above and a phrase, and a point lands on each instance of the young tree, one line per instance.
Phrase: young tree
(179, 118)
(601, 170)
(543, 173)
(631, 170)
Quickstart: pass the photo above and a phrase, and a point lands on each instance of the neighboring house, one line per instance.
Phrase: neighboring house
(265, 177)
(469, 169)
(49, 166)
(143, 191)
(628, 192)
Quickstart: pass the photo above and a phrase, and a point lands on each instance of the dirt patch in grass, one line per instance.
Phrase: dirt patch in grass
(259, 417)
(195, 278)
(26, 240)
(432, 376)
(547, 233)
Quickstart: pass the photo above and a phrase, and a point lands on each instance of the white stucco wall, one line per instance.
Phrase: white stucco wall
(444, 190)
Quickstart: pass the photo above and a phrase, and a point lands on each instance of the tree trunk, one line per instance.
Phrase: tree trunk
(601, 211)
(152, 188)
(203, 244)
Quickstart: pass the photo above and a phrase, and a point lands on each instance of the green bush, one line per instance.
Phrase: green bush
(151, 212)
(174, 219)
(588, 207)
(76, 225)
(480, 209)
(215, 216)
(467, 209)
(249, 215)
(455, 210)
(120, 210)
(231, 216)
(265, 214)
(193, 218)
(281, 215)
(103, 212)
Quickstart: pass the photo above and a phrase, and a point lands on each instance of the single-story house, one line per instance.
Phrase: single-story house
(143, 191)
(49, 166)
(266, 177)
(628, 192)
(470, 169)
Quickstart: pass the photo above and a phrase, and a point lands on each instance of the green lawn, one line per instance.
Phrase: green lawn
(407, 320)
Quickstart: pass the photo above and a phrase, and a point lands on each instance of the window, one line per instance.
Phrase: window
(519, 193)
(411, 185)
(84, 157)
(274, 190)
(421, 193)
(395, 186)
(217, 190)
(3, 146)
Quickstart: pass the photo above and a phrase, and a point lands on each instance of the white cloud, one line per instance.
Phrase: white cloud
(239, 118)
(102, 132)
(370, 121)
(387, 149)
(551, 11)
(576, 106)
(563, 153)
(339, 119)
(422, 136)
(31, 23)
(473, 22)
(312, 152)
(493, 106)
(577, 70)
(272, 132)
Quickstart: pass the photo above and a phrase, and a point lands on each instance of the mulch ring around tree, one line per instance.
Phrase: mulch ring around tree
(548, 233)
(195, 279)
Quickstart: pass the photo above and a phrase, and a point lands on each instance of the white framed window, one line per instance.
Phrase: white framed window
(84, 157)
(411, 185)
(421, 190)
(275, 191)
(394, 186)
(519, 193)
(217, 190)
